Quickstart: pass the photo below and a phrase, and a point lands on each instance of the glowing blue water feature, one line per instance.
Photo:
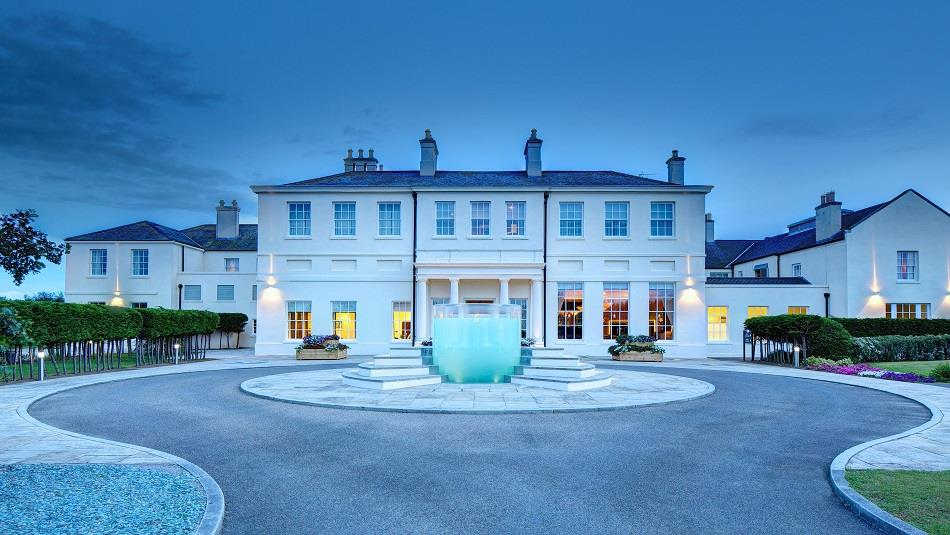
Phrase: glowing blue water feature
(476, 343)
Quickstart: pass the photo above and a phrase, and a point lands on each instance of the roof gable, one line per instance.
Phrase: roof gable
(206, 237)
(140, 231)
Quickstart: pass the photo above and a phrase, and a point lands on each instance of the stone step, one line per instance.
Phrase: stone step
(546, 351)
(581, 371)
(558, 362)
(560, 383)
(367, 369)
(387, 360)
(353, 378)
(405, 351)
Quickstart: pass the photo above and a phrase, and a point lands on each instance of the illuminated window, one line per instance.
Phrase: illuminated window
(717, 324)
(98, 262)
(298, 218)
(140, 262)
(754, 312)
(390, 219)
(615, 218)
(481, 218)
(572, 219)
(907, 266)
(616, 309)
(661, 219)
(192, 292)
(796, 270)
(298, 319)
(797, 310)
(344, 319)
(907, 310)
(523, 303)
(662, 310)
(402, 320)
(445, 218)
(570, 306)
(225, 292)
(232, 265)
(514, 218)
(344, 219)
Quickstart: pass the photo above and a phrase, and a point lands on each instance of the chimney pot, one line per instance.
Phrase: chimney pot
(710, 228)
(675, 165)
(360, 153)
(227, 225)
(532, 154)
(430, 155)
(370, 153)
(349, 153)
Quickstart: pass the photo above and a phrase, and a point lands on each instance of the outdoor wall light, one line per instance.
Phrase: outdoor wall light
(690, 282)
(271, 280)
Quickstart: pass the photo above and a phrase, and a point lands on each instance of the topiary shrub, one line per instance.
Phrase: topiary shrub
(941, 373)
(864, 327)
(887, 348)
(817, 335)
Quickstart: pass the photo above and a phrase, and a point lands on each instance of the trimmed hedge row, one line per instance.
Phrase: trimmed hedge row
(887, 348)
(817, 335)
(50, 323)
(161, 322)
(865, 327)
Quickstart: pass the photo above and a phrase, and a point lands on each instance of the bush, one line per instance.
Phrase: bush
(328, 342)
(51, 323)
(232, 322)
(640, 343)
(941, 373)
(865, 327)
(819, 361)
(161, 322)
(12, 330)
(819, 336)
(887, 348)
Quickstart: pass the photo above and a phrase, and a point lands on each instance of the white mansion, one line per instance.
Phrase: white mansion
(366, 253)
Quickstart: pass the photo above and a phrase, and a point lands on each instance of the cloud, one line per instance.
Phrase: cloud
(80, 106)
(819, 127)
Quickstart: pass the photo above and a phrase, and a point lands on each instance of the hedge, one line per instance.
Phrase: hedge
(162, 323)
(887, 348)
(864, 327)
(232, 322)
(818, 336)
(51, 323)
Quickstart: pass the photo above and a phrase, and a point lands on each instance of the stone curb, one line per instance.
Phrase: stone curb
(370, 408)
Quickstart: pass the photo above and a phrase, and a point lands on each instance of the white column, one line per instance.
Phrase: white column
(453, 290)
(422, 310)
(503, 291)
(537, 317)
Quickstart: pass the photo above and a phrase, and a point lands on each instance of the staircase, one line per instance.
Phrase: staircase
(403, 367)
(549, 367)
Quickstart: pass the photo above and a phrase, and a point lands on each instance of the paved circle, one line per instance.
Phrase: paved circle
(325, 388)
(752, 457)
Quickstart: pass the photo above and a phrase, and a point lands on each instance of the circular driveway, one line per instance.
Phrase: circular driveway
(750, 458)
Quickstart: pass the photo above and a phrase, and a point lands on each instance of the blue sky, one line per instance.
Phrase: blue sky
(113, 112)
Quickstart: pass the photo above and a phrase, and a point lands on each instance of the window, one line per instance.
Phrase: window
(402, 320)
(140, 262)
(344, 319)
(298, 216)
(523, 303)
(615, 218)
(661, 311)
(907, 311)
(797, 310)
(661, 219)
(570, 306)
(572, 219)
(756, 311)
(740, 272)
(616, 309)
(298, 319)
(760, 271)
(796, 270)
(253, 292)
(390, 219)
(98, 262)
(445, 218)
(514, 218)
(225, 292)
(344, 219)
(717, 324)
(192, 292)
(907, 266)
(719, 275)
(254, 326)
(481, 218)
(232, 265)
(97, 303)
(139, 304)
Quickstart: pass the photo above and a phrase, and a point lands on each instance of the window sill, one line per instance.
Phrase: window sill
(899, 281)
(343, 237)
(191, 300)
(388, 237)
(138, 276)
(617, 238)
(97, 276)
(444, 237)
(220, 301)
(298, 237)
(569, 238)
(515, 238)
(662, 238)
(719, 343)
(478, 237)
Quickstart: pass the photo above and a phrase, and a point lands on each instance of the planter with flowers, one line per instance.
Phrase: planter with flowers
(322, 347)
(640, 348)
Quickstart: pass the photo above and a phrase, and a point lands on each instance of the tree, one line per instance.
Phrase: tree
(23, 248)
(56, 297)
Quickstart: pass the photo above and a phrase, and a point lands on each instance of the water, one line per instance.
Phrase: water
(477, 348)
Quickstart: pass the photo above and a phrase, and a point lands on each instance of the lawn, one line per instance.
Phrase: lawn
(919, 498)
(127, 360)
(920, 367)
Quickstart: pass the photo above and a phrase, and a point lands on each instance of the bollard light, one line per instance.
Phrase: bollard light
(42, 356)
(176, 346)
(797, 349)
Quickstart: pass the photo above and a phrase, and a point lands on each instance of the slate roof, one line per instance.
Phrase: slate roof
(204, 235)
(408, 179)
(721, 252)
(756, 280)
(141, 231)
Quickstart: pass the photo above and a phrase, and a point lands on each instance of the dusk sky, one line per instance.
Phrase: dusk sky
(115, 112)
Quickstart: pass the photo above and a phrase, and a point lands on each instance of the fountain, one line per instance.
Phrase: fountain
(476, 343)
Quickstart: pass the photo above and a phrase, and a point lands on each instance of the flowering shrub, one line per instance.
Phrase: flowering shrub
(327, 342)
(818, 361)
(864, 370)
(640, 343)
(527, 342)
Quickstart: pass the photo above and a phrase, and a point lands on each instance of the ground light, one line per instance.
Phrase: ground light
(176, 346)
(42, 356)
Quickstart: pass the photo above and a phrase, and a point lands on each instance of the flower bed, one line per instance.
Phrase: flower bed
(864, 370)
(321, 347)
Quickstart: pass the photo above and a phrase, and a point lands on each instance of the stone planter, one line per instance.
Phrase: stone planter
(639, 356)
(320, 354)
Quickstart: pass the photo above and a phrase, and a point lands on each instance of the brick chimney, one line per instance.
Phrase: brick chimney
(228, 222)
(359, 163)
(430, 155)
(827, 217)
(675, 168)
(710, 229)
(532, 154)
